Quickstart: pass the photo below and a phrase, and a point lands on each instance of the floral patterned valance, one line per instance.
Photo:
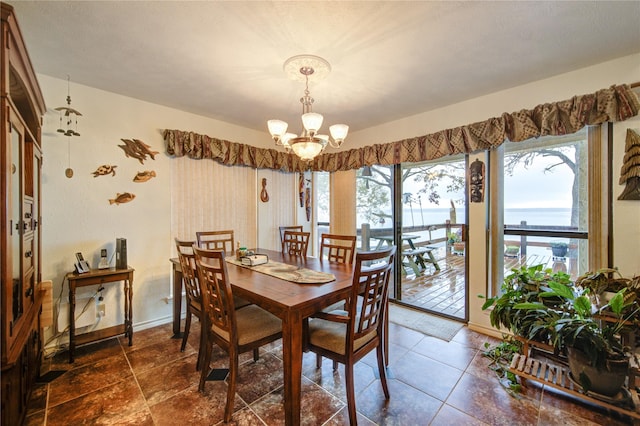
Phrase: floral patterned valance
(617, 103)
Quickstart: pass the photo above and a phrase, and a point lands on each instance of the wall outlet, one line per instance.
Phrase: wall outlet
(101, 310)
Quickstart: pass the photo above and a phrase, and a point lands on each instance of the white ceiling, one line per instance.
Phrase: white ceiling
(390, 59)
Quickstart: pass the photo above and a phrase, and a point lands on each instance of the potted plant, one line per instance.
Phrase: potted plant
(591, 338)
(559, 249)
(525, 285)
(605, 283)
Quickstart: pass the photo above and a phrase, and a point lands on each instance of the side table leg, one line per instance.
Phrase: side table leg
(72, 321)
(129, 311)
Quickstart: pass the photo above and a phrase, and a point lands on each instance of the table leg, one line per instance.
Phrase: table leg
(130, 311)
(72, 321)
(292, 363)
(433, 260)
(413, 264)
(177, 301)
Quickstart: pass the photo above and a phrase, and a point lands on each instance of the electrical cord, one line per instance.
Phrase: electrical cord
(59, 346)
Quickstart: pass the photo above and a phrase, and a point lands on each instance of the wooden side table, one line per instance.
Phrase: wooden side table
(97, 277)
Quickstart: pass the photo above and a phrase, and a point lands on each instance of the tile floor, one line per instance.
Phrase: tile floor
(432, 382)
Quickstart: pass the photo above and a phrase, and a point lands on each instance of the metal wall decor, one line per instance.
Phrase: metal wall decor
(477, 181)
(630, 172)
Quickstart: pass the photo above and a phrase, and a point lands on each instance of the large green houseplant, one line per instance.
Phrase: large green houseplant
(549, 308)
(525, 285)
(590, 336)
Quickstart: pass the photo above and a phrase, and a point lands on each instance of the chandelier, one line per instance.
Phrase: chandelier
(310, 143)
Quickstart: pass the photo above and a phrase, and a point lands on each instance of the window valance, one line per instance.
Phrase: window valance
(617, 103)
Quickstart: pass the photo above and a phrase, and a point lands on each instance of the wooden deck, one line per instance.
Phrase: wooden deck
(444, 292)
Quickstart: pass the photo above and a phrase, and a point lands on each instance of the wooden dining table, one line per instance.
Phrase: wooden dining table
(289, 301)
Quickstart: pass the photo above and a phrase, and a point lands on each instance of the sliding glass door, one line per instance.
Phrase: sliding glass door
(426, 202)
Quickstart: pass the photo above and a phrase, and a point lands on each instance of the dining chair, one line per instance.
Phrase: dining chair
(193, 297)
(296, 243)
(238, 302)
(346, 336)
(234, 330)
(282, 229)
(221, 240)
(340, 248)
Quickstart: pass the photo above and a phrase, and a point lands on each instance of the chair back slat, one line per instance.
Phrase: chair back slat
(282, 229)
(296, 243)
(216, 240)
(217, 299)
(339, 248)
(187, 260)
(371, 282)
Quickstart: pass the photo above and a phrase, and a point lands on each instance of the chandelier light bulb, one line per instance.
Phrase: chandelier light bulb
(305, 149)
(312, 121)
(339, 134)
(277, 128)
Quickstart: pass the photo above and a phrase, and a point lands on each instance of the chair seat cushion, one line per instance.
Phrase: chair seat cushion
(332, 336)
(253, 324)
(239, 302)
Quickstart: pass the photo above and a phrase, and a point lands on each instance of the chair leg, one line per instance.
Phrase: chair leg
(187, 327)
(382, 370)
(231, 389)
(256, 354)
(318, 361)
(203, 343)
(351, 394)
(204, 368)
(335, 365)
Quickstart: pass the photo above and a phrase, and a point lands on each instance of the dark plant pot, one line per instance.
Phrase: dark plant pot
(559, 251)
(608, 381)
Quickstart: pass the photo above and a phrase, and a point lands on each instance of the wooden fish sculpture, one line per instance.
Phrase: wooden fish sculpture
(144, 176)
(105, 169)
(125, 197)
(137, 149)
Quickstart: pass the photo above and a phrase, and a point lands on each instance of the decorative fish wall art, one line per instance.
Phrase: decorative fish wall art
(135, 148)
(125, 197)
(144, 176)
(104, 170)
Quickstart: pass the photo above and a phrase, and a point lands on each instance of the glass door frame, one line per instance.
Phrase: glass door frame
(397, 208)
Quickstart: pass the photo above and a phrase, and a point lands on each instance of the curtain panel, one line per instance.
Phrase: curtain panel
(617, 103)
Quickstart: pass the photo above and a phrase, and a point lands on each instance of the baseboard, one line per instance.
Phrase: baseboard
(489, 331)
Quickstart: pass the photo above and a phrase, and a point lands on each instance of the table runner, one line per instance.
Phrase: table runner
(287, 272)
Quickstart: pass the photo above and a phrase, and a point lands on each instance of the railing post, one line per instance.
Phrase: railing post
(365, 235)
(523, 240)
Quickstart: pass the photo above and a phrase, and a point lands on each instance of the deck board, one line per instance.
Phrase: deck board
(444, 291)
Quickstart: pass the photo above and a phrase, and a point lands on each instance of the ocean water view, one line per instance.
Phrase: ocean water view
(425, 217)
(438, 216)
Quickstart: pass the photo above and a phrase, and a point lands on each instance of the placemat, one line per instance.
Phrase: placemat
(287, 272)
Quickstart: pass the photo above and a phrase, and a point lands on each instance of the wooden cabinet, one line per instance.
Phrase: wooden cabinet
(22, 107)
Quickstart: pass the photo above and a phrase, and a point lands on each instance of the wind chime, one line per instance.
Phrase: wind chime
(68, 125)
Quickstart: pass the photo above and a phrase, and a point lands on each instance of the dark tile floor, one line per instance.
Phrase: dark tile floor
(432, 382)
